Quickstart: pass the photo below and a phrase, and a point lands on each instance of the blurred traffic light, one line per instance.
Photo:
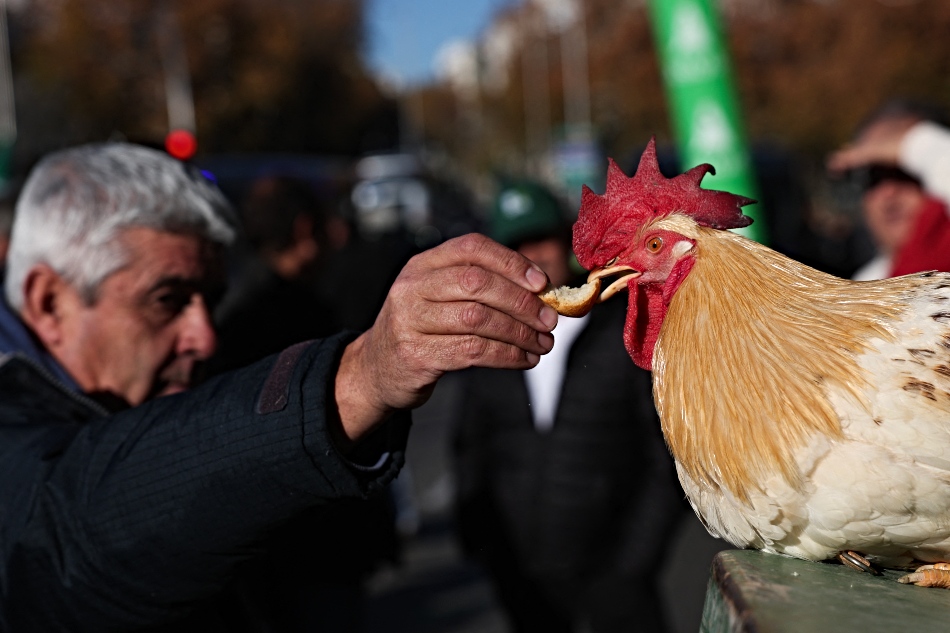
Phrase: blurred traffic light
(181, 144)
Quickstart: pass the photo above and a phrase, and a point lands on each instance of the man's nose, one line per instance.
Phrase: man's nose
(197, 336)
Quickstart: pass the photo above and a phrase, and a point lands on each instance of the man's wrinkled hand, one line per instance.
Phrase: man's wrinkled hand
(469, 302)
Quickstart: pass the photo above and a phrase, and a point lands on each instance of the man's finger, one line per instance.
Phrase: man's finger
(477, 250)
(474, 283)
(462, 352)
(470, 317)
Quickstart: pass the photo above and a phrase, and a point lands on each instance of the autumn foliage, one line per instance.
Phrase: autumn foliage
(806, 71)
(276, 75)
(290, 74)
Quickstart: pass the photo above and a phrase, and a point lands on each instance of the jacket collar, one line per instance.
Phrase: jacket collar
(16, 337)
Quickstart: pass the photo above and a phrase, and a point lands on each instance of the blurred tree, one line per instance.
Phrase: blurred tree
(278, 75)
(288, 74)
(807, 71)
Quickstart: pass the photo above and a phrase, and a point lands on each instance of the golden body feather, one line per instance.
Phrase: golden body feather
(767, 378)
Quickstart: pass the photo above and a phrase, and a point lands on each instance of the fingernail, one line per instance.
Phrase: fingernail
(533, 359)
(548, 316)
(536, 278)
(546, 341)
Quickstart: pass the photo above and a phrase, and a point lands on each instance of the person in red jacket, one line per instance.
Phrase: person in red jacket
(908, 219)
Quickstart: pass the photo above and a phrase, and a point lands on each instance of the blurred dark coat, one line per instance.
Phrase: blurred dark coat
(300, 584)
(356, 279)
(139, 520)
(265, 313)
(585, 508)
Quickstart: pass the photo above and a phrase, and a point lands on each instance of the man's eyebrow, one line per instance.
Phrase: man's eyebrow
(171, 281)
(212, 289)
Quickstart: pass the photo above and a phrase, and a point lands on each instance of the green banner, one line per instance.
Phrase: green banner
(6, 164)
(703, 105)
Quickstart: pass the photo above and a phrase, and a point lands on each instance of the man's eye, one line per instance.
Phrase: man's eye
(173, 302)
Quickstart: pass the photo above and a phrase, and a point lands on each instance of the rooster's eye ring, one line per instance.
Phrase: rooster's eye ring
(655, 244)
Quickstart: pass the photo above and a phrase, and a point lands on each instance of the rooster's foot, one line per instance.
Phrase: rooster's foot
(858, 562)
(936, 575)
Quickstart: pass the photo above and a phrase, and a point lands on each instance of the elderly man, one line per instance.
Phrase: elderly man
(121, 511)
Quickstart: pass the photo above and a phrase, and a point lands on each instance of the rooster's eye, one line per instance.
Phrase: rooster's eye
(655, 244)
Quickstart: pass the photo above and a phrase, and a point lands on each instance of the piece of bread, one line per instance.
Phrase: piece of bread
(572, 302)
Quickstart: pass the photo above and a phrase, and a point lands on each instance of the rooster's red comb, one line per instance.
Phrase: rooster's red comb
(649, 195)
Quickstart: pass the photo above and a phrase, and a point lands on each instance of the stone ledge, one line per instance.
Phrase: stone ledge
(755, 592)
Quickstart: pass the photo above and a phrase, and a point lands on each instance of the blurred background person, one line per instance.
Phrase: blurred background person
(274, 304)
(566, 492)
(396, 209)
(908, 224)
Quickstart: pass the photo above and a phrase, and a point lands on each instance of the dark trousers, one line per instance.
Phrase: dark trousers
(595, 603)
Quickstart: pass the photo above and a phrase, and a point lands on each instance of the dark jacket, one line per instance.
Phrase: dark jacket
(138, 520)
(597, 492)
(288, 588)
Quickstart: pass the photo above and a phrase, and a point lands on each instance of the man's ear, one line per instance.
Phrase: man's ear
(46, 296)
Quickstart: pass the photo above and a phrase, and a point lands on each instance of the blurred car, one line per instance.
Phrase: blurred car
(396, 193)
(330, 176)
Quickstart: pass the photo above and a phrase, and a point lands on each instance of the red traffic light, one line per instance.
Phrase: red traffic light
(181, 144)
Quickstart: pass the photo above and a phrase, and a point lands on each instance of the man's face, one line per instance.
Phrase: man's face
(150, 325)
(891, 208)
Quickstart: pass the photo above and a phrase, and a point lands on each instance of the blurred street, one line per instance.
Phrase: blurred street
(190, 186)
(436, 591)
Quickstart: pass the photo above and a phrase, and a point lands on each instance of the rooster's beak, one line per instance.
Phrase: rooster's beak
(627, 273)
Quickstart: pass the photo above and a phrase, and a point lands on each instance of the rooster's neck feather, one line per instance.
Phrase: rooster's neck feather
(749, 343)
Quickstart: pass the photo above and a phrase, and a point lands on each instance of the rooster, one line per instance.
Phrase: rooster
(807, 415)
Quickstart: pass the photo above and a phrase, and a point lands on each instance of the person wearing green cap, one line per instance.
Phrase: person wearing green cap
(566, 493)
(526, 210)
(526, 216)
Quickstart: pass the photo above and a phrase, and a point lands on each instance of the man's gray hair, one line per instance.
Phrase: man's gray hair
(77, 201)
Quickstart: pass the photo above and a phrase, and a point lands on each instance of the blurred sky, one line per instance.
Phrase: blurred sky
(406, 35)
